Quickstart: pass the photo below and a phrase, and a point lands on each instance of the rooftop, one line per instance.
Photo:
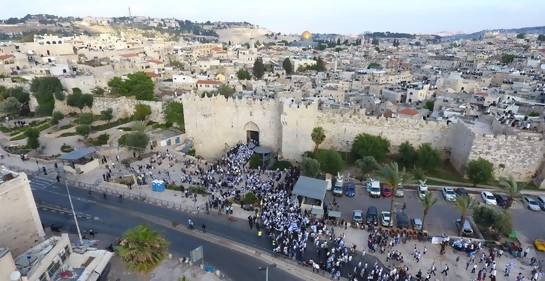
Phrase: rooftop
(311, 188)
(7, 175)
(77, 154)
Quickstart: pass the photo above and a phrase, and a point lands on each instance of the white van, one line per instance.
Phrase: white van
(329, 180)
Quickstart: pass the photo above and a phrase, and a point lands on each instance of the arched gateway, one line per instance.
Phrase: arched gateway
(252, 132)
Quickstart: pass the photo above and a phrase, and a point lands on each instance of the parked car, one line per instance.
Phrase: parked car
(422, 189)
(386, 219)
(501, 199)
(338, 188)
(531, 203)
(399, 190)
(374, 189)
(402, 220)
(350, 190)
(371, 216)
(357, 215)
(460, 191)
(467, 230)
(488, 198)
(448, 194)
(385, 190)
(539, 244)
(541, 201)
(416, 223)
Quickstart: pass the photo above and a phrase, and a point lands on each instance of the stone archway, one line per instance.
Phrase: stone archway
(252, 132)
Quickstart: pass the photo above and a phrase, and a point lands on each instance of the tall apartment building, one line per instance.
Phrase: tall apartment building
(20, 224)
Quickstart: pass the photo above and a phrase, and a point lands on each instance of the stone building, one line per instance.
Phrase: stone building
(22, 228)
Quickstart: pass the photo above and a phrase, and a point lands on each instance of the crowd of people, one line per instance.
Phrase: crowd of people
(296, 234)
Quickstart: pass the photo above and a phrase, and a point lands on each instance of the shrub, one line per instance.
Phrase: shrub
(198, 189)
(101, 140)
(282, 165)
(66, 148)
(254, 161)
(250, 198)
(122, 139)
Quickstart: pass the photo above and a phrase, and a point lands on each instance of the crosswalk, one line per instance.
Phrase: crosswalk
(39, 183)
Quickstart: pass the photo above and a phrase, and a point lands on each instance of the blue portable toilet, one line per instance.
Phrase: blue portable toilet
(158, 186)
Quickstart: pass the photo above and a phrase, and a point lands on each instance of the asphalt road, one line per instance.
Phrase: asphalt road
(114, 222)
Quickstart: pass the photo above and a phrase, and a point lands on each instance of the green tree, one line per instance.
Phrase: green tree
(174, 113)
(507, 58)
(330, 161)
(521, 35)
(310, 167)
(374, 65)
(533, 113)
(428, 157)
(98, 91)
(250, 198)
(44, 89)
(464, 204)
(480, 171)
(367, 164)
(318, 136)
(374, 41)
(60, 96)
(369, 145)
(430, 105)
(391, 175)
(142, 249)
(511, 188)
(56, 117)
(541, 37)
(141, 112)
(83, 130)
(137, 141)
(118, 86)
(288, 66)
(107, 115)
(86, 100)
(427, 202)
(320, 65)
(33, 138)
(225, 90)
(484, 216)
(243, 74)
(259, 68)
(18, 93)
(86, 118)
(503, 223)
(11, 106)
(137, 84)
(406, 155)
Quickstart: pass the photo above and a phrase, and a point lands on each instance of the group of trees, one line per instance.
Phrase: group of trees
(137, 84)
(425, 157)
(46, 90)
(174, 113)
(321, 160)
(14, 101)
(79, 100)
(137, 139)
(288, 66)
(258, 69)
(318, 66)
(507, 58)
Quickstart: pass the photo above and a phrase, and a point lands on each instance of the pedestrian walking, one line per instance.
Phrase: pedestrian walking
(474, 268)
(204, 228)
(445, 271)
(432, 269)
(467, 264)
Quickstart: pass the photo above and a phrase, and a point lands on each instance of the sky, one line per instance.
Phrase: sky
(318, 16)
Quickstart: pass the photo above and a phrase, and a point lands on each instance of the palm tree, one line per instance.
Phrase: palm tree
(391, 175)
(427, 202)
(367, 164)
(464, 204)
(511, 187)
(142, 249)
(318, 136)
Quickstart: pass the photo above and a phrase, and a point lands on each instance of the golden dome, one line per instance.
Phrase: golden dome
(306, 36)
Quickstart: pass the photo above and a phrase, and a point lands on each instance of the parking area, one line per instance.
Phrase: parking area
(441, 218)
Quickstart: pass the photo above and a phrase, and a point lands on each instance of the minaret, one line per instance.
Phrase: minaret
(252, 43)
(130, 16)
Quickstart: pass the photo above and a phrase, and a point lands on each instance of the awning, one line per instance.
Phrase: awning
(77, 154)
(334, 214)
(317, 211)
(310, 187)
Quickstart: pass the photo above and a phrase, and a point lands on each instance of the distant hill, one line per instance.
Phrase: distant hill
(476, 35)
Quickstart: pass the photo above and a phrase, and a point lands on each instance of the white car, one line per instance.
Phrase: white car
(386, 219)
(422, 193)
(488, 198)
(531, 203)
(448, 194)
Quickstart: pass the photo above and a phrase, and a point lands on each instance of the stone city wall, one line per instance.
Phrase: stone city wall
(123, 107)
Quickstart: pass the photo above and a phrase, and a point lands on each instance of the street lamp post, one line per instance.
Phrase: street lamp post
(266, 268)
(72, 207)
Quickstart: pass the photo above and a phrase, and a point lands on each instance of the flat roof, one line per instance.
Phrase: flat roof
(77, 154)
(262, 149)
(310, 187)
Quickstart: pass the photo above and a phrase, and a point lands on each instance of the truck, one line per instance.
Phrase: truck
(373, 187)
(329, 180)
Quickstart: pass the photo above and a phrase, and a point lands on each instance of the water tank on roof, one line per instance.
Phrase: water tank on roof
(15, 276)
